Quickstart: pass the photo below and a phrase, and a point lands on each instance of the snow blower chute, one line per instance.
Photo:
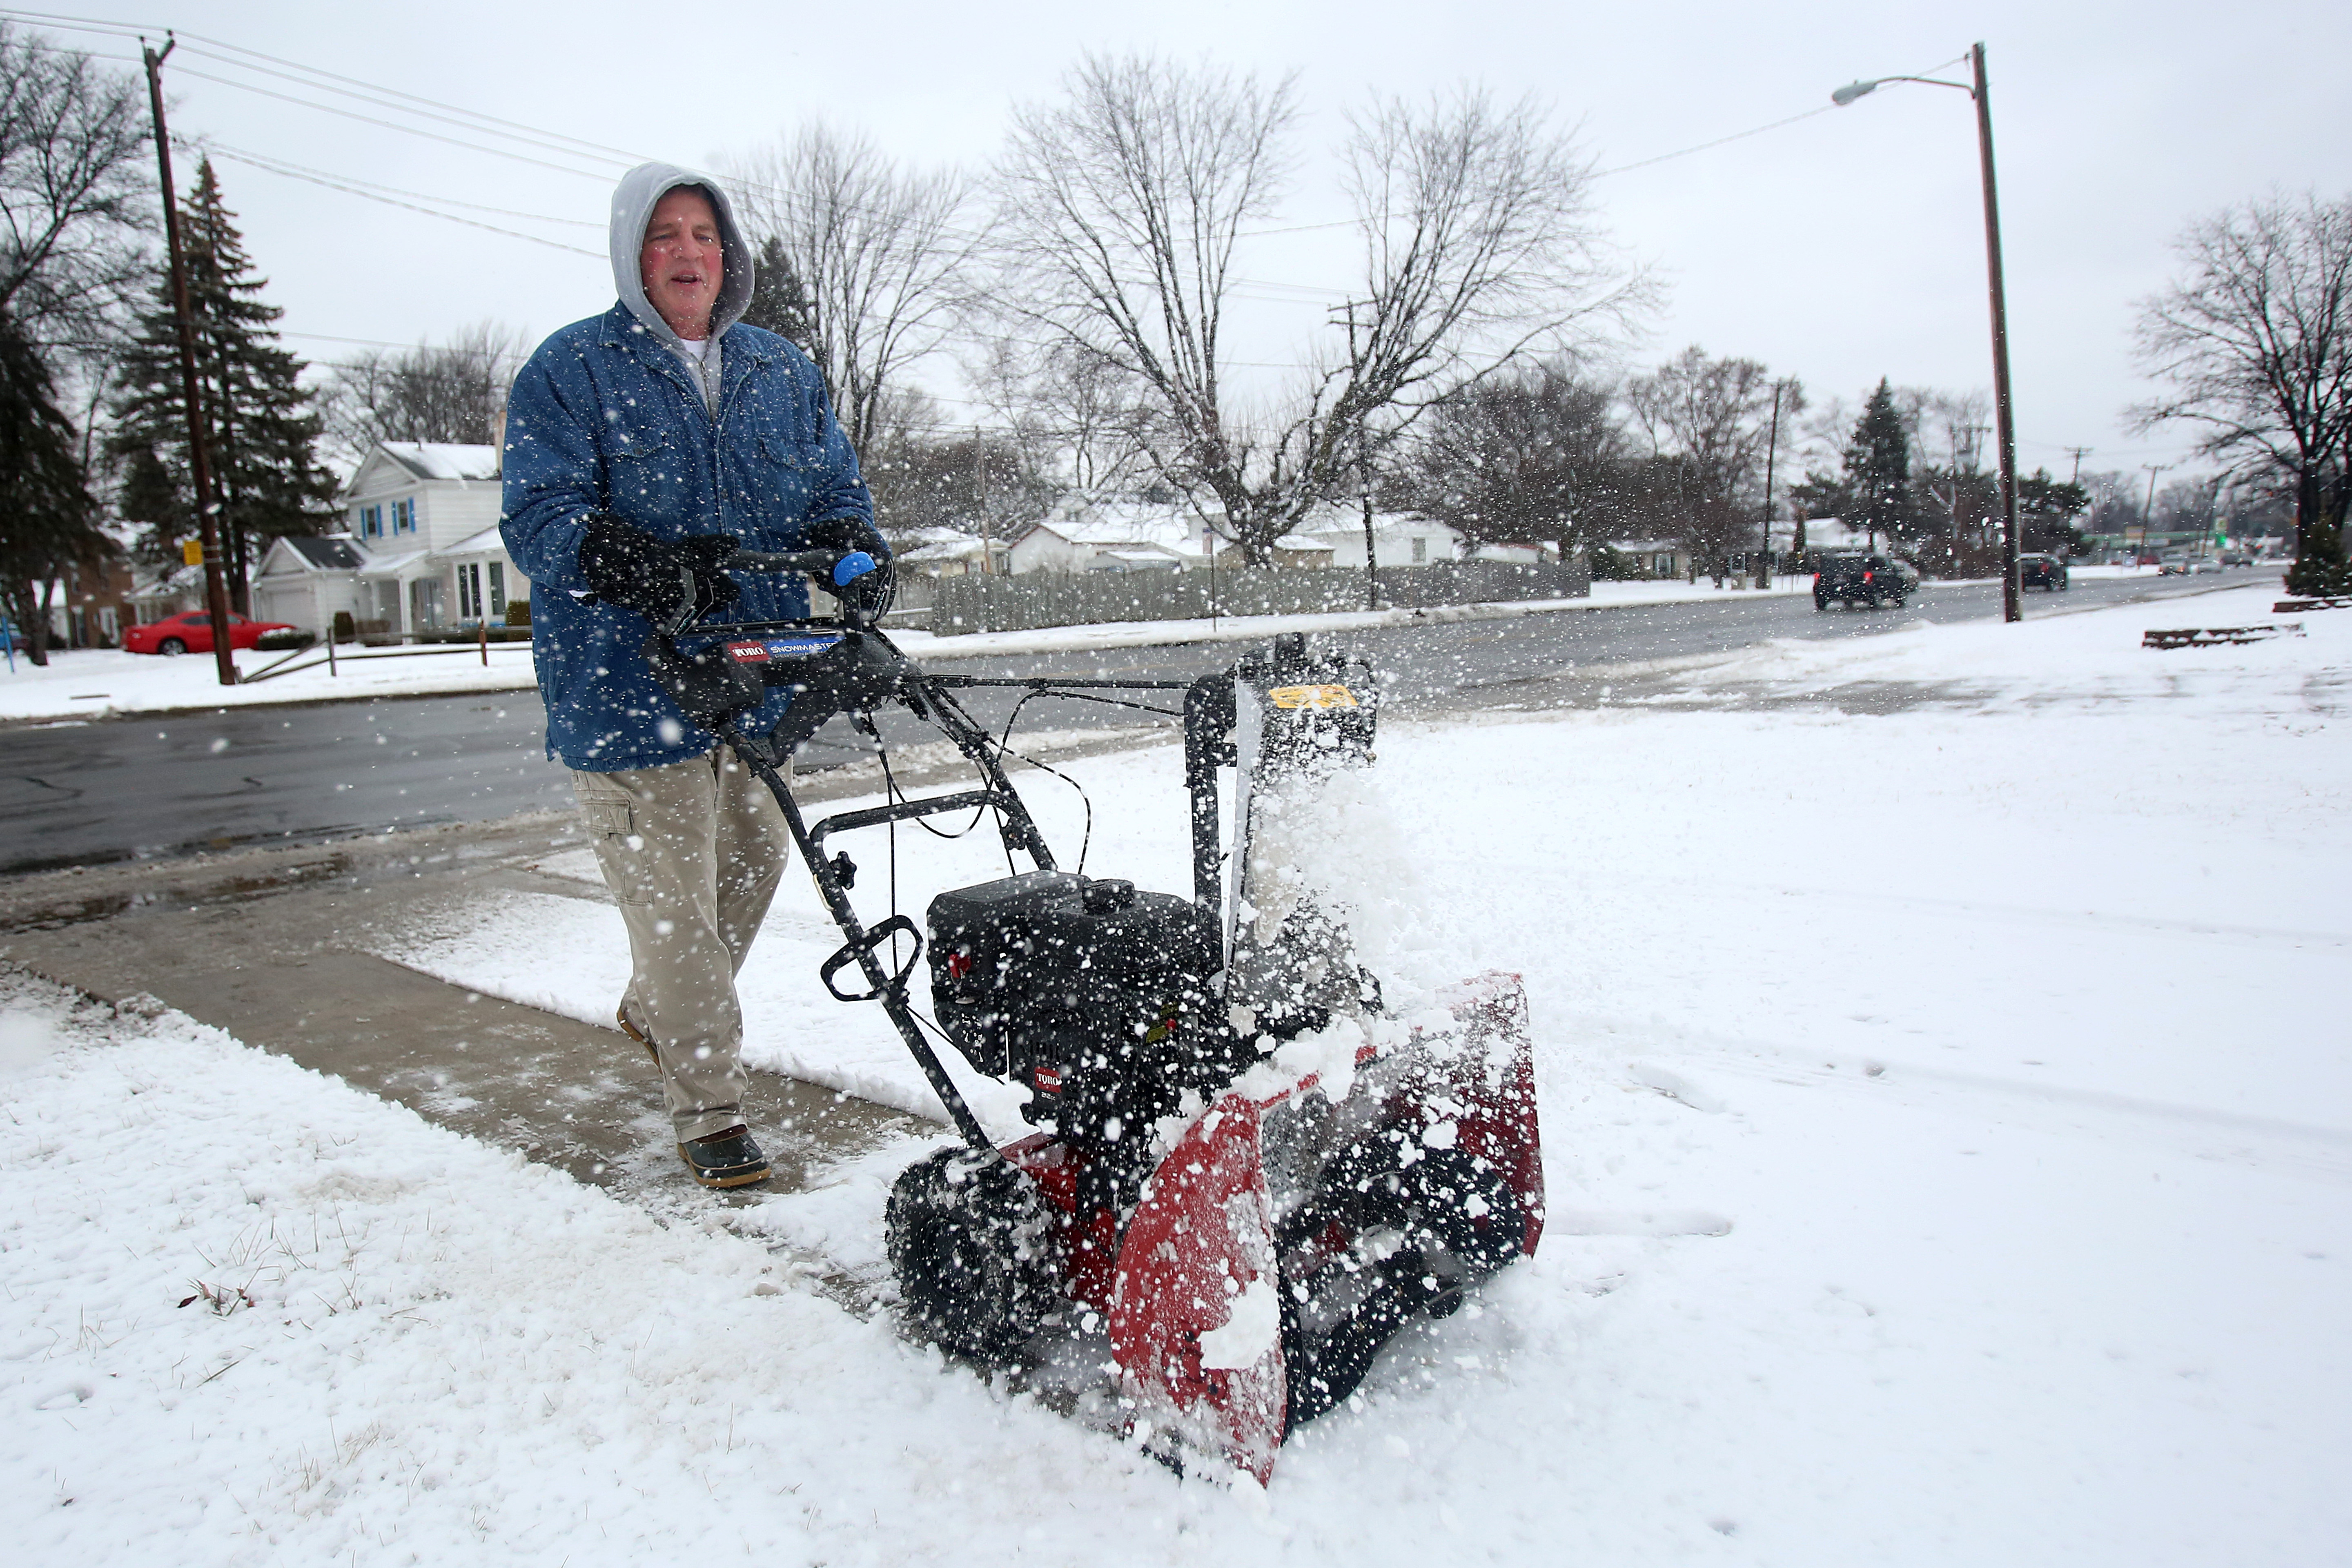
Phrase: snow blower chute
(1247, 1168)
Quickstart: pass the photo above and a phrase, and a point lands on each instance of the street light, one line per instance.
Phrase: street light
(2011, 606)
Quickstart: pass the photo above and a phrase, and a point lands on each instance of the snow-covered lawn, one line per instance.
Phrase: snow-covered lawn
(1947, 1116)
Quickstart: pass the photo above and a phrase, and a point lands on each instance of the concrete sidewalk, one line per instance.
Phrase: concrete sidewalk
(271, 945)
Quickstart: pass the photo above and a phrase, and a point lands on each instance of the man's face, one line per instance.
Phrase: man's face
(681, 263)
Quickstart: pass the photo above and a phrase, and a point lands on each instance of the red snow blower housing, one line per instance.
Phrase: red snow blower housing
(1246, 1168)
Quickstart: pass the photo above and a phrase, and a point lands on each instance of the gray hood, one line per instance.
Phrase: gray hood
(633, 200)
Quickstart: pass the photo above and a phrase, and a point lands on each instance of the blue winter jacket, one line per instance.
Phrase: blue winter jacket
(605, 418)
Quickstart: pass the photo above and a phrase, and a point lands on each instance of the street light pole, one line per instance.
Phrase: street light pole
(2011, 603)
(2012, 607)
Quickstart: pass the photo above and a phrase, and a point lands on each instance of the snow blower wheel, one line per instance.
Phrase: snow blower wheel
(1422, 1233)
(972, 1244)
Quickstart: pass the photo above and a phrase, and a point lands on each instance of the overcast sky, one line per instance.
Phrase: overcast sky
(1842, 248)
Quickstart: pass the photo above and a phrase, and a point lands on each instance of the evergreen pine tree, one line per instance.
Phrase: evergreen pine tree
(47, 522)
(261, 434)
(2321, 570)
(780, 300)
(1878, 468)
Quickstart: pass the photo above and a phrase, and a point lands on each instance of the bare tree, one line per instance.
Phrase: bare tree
(2255, 338)
(882, 255)
(453, 391)
(1707, 422)
(1077, 417)
(1534, 457)
(74, 197)
(1122, 211)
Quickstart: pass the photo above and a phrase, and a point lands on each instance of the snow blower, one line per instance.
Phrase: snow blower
(1246, 1167)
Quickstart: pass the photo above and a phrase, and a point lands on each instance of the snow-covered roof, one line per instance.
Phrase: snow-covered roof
(488, 541)
(392, 565)
(954, 546)
(1116, 522)
(326, 553)
(1301, 542)
(1327, 525)
(445, 460)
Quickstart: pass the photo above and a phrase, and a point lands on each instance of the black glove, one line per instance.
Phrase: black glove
(870, 594)
(625, 565)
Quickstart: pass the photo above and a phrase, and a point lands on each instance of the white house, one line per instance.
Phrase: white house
(419, 552)
(1400, 538)
(1084, 535)
(944, 553)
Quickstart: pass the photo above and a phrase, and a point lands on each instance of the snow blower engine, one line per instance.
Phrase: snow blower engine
(1245, 1173)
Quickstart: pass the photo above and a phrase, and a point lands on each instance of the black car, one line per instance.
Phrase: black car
(2046, 573)
(1852, 578)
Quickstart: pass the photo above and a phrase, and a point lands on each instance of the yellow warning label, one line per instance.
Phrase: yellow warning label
(1312, 697)
(192, 551)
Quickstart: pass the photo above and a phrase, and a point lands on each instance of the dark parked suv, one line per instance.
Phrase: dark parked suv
(1855, 578)
(2046, 573)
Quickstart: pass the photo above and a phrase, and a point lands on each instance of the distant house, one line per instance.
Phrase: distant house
(167, 593)
(90, 605)
(944, 553)
(1086, 535)
(1661, 558)
(1401, 539)
(419, 550)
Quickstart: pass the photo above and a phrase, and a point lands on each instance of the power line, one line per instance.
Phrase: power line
(410, 206)
(206, 145)
(546, 143)
(618, 154)
(365, 91)
(392, 126)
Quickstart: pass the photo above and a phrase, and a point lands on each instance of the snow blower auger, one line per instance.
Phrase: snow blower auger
(1246, 1167)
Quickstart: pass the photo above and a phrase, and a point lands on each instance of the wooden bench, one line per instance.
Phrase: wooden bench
(2291, 607)
(2215, 636)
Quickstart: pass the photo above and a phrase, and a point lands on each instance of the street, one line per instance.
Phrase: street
(142, 788)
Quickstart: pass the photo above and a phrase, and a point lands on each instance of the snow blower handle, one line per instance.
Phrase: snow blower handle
(861, 583)
(839, 568)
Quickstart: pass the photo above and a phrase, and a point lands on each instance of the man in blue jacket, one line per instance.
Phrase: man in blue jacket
(644, 448)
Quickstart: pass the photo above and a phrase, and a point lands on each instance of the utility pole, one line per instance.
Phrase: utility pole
(1952, 508)
(1771, 451)
(200, 469)
(2078, 454)
(2148, 517)
(1974, 449)
(1363, 476)
(980, 472)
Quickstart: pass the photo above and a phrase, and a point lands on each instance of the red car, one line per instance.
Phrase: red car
(193, 633)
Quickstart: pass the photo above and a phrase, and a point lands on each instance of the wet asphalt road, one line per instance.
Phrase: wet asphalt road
(139, 788)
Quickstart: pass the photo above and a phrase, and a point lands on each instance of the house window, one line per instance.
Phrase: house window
(403, 515)
(1420, 551)
(470, 591)
(371, 522)
(498, 589)
(1662, 564)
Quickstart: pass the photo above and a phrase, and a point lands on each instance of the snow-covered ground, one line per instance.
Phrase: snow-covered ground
(90, 683)
(1947, 1116)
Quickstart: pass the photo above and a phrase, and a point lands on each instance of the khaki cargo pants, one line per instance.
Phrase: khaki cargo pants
(692, 853)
